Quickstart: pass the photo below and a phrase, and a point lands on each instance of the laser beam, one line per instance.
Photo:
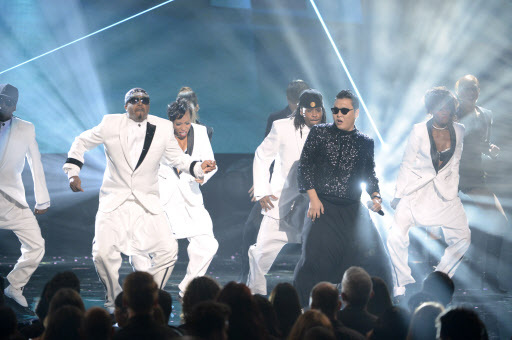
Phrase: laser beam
(347, 71)
(87, 36)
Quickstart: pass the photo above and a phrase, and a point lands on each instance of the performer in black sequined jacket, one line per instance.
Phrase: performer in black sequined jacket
(335, 160)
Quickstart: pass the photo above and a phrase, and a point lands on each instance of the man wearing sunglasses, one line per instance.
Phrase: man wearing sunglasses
(17, 142)
(334, 162)
(282, 205)
(130, 217)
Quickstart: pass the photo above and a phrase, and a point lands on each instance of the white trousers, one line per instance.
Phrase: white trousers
(23, 223)
(134, 231)
(201, 250)
(272, 237)
(457, 235)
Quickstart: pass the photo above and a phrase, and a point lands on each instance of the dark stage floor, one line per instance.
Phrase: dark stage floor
(494, 309)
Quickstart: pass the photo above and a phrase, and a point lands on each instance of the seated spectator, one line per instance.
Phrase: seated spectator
(440, 286)
(65, 297)
(269, 316)
(64, 323)
(325, 298)
(380, 301)
(140, 296)
(460, 324)
(209, 320)
(392, 324)
(356, 289)
(120, 311)
(8, 324)
(306, 321)
(165, 303)
(418, 299)
(202, 288)
(97, 325)
(245, 321)
(286, 304)
(66, 279)
(423, 321)
(319, 333)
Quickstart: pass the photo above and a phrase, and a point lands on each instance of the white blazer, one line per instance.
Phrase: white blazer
(417, 169)
(120, 179)
(21, 143)
(284, 145)
(184, 186)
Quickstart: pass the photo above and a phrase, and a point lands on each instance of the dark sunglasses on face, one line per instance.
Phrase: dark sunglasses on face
(7, 101)
(343, 110)
(135, 100)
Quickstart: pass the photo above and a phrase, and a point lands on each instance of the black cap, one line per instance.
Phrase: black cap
(9, 91)
(310, 99)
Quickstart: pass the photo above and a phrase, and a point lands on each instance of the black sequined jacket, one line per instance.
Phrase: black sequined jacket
(335, 162)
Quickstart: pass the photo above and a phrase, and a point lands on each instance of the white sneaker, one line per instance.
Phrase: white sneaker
(16, 294)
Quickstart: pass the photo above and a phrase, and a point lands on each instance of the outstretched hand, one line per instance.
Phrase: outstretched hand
(75, 184)
(208, 166)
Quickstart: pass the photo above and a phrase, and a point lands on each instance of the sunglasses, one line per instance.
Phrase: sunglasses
(7, 101)
(135, 100)
(343, 110)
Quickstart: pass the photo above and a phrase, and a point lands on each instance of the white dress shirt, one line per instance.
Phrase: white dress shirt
(5, 128)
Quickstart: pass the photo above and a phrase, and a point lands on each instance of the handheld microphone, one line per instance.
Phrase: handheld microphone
(369, 204)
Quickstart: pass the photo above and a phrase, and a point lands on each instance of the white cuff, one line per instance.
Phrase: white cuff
(71, 170)
(198, 171)
(42, 206)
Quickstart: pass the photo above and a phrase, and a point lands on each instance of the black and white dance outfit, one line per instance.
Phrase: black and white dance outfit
(335, 162)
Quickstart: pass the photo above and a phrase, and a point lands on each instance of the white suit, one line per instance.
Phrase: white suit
(183, 205)
(282, 224)
(130, 217)
(428, 199)
(18, 143)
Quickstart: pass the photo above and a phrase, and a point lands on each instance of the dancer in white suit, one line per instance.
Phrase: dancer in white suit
(130, 216)
(427, 189)
(181, 196)
(283, 206)
(17, 141)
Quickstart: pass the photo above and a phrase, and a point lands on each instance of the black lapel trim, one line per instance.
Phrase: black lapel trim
(150, 133)
(190, 146)
(433, 149)
(75, 162)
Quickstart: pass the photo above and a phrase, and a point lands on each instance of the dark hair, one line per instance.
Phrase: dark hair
(349, 95)
(423, 321)
(294, 90)
(245, 321)
(325, 297)
(65, 323)
(319, 333)
(208, 317)
(202, 288)
(66, 279)
(392, 324)
(461, 323)
(269, 315)
(286, 303)
(140, 292)
(439, 285)
(165, 302)
(438, 97)
(97, 324)
(177, 109)
(8, 323)
(189, 95)
(311, 318)
(380, 300)
(65, 297)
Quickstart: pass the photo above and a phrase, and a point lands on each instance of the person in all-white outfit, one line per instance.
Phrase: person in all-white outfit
(130, 216)
(427, 189)
(17, 142)
(283, 206)
(181, 196)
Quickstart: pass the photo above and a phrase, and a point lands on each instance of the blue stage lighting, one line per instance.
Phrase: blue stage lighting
(346, 71)
(88, 35)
